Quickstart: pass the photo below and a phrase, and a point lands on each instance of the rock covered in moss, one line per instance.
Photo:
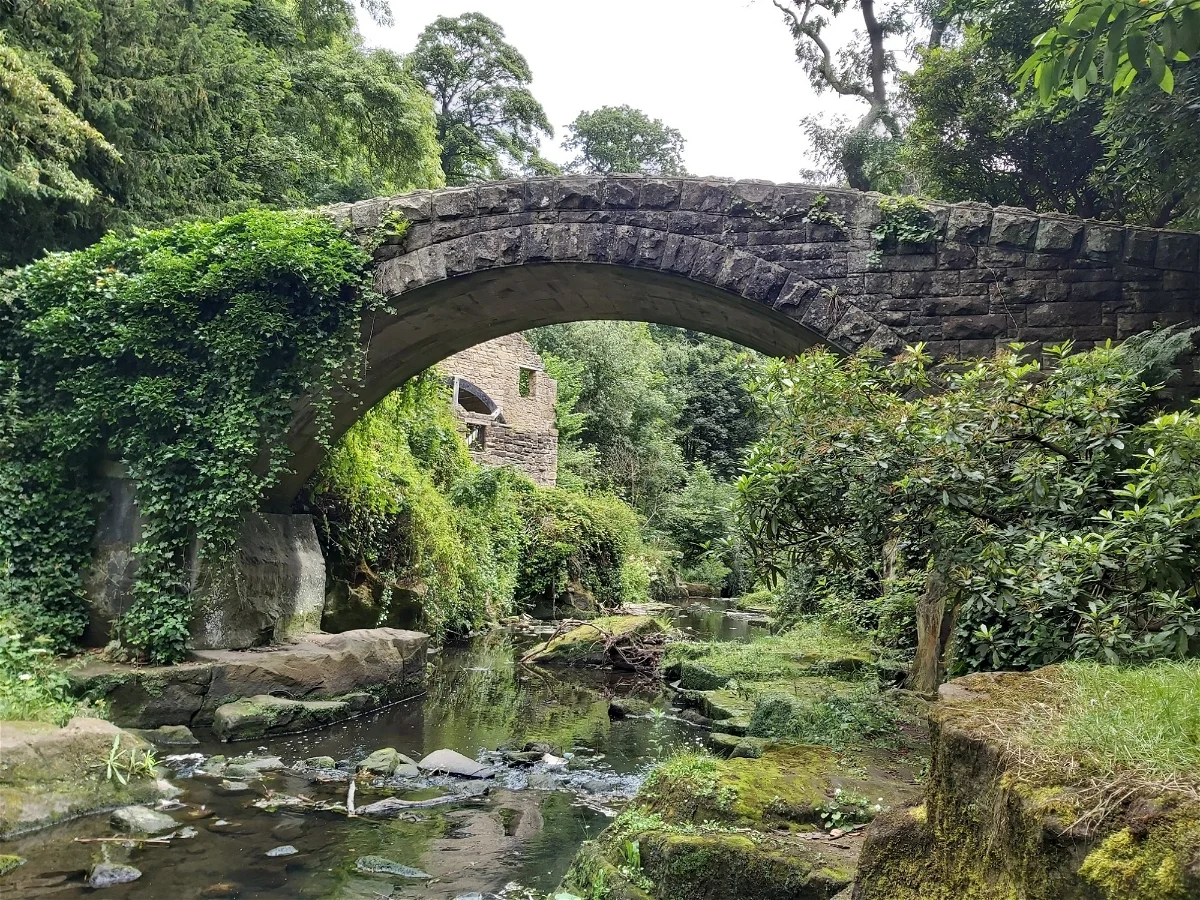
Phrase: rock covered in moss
(49, 774)
(9, 862)
(707, 828)
(993, 829)
(389, 761)
(616, 641)
(266, 715)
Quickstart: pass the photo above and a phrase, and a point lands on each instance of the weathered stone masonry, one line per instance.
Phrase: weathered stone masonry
(514, 424)
(748, 261)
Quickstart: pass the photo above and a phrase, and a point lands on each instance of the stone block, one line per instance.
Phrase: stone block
(1056, 235)
(1177, 251)
(579, 192)
(1103, 241)
(623, 191)
(501, 198)
(660, 194)
(273, 585)
(1014, 228)
(415, 207)
(1139, 246)
(957, 328)
(969, 223)
(752, 198)
(704, 196)
(455, 203)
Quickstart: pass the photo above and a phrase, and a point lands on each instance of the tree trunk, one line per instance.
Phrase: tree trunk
(935, 626)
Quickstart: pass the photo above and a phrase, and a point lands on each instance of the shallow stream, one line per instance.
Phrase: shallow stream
(515, 842)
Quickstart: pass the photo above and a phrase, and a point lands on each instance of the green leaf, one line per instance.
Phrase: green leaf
(1158, 66)
(1136, 47)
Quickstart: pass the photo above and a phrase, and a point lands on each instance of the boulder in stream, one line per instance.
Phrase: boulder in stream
(387, 762)
(378, 865)
(140, 820)
(49, 774)
(104, 875)
(451, 762)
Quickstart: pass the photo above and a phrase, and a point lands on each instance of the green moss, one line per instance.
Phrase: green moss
(8, 862)
(1160, 865)
(804, 650)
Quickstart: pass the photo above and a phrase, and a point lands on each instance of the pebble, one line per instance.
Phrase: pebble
(285, 850)
(377, 865)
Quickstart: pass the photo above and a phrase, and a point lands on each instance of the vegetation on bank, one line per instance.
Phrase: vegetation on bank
(1048, 507)
(400, 506)
(33, 688)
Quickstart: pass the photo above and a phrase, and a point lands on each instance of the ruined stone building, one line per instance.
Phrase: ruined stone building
(505, 402)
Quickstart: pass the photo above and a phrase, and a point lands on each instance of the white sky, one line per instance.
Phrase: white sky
(723, 72)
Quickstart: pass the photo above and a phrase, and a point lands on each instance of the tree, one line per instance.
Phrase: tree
(487, 118)
(624, 139)
(628, 412)
(861, 71)
(211, 107)
(973, 135)
(1114, 42)
(40, 138)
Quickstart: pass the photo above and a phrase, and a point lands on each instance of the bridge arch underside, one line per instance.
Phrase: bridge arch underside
(774, 267)
(438, 320)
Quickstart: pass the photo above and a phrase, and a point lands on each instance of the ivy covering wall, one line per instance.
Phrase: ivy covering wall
(178, 353)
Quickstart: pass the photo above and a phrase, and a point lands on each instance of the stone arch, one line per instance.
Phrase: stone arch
(774, 267)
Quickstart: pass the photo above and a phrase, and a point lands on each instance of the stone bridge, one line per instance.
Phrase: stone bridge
(774, 267)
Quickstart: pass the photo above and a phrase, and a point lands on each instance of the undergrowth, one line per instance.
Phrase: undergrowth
(805, 645)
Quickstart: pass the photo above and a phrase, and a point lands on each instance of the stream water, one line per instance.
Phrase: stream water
(514, 843)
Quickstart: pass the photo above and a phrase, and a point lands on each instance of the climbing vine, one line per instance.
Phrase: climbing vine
(902, 220)
(178, 353)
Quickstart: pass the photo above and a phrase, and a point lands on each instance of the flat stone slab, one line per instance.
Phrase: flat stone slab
(47, 774)
(381, 664)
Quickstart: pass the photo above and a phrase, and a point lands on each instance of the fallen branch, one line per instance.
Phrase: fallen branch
(394, 805)
(123, 840)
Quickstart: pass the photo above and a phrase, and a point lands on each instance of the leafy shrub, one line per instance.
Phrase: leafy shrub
(32, 687)
(835, 718)
(1050, 504)
(401, 505)
(180, 353)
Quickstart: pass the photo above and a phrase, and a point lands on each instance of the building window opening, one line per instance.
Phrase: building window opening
(525, 382)
(477, 437)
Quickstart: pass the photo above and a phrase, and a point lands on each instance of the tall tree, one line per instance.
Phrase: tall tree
(624, 139)
(487, 119)
(212, 107)
(862, 70)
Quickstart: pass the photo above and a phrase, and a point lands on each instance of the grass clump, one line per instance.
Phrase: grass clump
(807, 648)
(1144, 719)
(860, 715)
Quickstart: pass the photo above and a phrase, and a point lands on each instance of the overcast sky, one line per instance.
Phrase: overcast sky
(721, 71)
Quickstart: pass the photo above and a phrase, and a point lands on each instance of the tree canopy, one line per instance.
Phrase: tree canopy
(488, 121)
(140, 113)
(623, 139)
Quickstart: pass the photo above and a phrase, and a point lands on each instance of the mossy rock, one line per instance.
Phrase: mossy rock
(48, 774)
(267, 715)
(711, 866)
(8, 863)
(699, 677)
(598, 642)
(992, 831)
